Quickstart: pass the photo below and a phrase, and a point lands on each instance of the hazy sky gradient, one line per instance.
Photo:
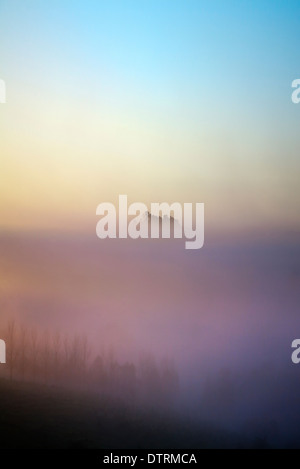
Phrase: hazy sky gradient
(161, 100)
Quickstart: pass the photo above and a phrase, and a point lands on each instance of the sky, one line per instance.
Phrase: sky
(164, 101)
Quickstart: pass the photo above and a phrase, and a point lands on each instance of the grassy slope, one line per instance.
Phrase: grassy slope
(35, 416)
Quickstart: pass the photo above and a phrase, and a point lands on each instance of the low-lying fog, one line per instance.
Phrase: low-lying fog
(226, 314)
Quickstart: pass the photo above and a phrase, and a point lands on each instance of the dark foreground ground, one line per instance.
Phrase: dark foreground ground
(35, 416)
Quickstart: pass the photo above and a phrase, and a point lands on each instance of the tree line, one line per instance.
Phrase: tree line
(53, 358)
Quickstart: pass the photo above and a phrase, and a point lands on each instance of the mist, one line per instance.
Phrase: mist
(222, 317)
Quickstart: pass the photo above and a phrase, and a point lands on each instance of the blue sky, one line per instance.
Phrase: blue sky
(194, 94)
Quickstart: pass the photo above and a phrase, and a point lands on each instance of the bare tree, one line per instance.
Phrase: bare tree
(11, 346)
(33, 351)
(57, 346)
(45, 355)
(23, 336)
(85, 352)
